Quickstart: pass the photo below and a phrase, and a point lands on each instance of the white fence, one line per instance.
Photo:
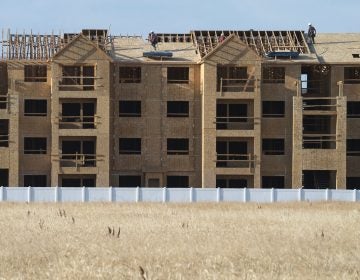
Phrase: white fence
(49, 194)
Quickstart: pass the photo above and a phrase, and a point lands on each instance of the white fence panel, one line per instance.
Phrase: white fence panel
(178, 195)
(70, 194)
(284, 195)
(341, 195)
(125, 194)
(235, 195)
(314, 195)
(19, 194)
(43, 194)
(97, 194)
(204, 195)
(151, 194)
(259, 195)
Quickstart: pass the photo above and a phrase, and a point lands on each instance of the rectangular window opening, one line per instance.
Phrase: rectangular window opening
(274, 75)
(4, 177)
(177, 109)
(129, 181)
(177, 146)
(130, 108)
(178, 75)
(353, 109)
(35, 108)
(130, 74)
(35, 73)
(35, 145)
(77, 78)
(353, 147)
(273, 146)
(35, 181)
(276, 182)
(78, 182)
(4, 133)
(177, 181)
(78, 115)
(78, 153)
(273, 109)
(130, 146)
(351, 75)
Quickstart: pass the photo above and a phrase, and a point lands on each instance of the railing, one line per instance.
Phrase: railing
(78, 160)
(78, 122)
(237, 85)
(177, 195)
(77, 83)
(4, 140)
(235, 160)
(319, 141)
(319, 103)
(236, 123)
(4, 101)
(178, 152)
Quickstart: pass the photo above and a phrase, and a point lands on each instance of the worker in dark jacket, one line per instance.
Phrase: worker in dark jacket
(153, 39)
(312, 33)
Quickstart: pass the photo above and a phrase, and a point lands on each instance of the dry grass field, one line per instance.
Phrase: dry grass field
(180, 241)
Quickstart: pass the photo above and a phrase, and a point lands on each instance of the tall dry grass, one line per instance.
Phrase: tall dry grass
(173, 241)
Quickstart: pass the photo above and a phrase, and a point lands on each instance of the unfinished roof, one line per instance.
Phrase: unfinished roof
(131, 48)
(337, 47)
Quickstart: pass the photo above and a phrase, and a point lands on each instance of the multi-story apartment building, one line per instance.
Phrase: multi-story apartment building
(260, 109)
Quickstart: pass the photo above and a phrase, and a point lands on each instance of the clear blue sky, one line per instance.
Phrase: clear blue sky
(178, 16)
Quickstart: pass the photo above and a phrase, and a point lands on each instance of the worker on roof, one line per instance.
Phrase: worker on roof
(153, 39)
(312, 33)
(222, 37)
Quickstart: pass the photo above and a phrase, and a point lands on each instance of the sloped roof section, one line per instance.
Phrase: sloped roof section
(262, 42)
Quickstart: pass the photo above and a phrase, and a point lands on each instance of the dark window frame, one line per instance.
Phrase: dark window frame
(353, 147)
(36, 181)
(130, 108)
(273, 146)
(351, 75)
(77, 78)
(129, 74)
(353, 109)
(34, 145)
(32, 105)
(271, 182)
(135, 181)
(273, 75)
(4, 132)
(177, 146)
(272, 111)
(177, 181)
(178, 75)
(35, 73)
(129, 146)
(177, 109)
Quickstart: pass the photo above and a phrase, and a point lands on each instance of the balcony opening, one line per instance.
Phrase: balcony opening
(130, 146)
(77, 78)
(177, 181)
(319, 179)
(232, 78)
(231, 182)
(178, 109)
(35, 145)
(35, 181)
(319, 132)
(4, 177)
(177, 146)
(316, 80)
(273, 75)
(232, 154)
(88, 181)
(276, 182)
(353, 147)
(35, 108)
(129, 181)
(4, 133)
(130, 108)
(273, 146)
(352, 183)
(78, 115)
(129, 75)
(78, 153)
(233, 116)
(35, 73)
(353, 109)
(273, 109)
(178, 75)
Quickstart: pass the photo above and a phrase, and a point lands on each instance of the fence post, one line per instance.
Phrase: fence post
(83, 196)
(191, 194)
(110, 193)
(29, 194)
(2, 193)
(327, 194)
(354, 195)
(300, 194)
(56, 194)
(218, 195)
(245, 194)
(137, 194)
(164, 194)
(272, 198)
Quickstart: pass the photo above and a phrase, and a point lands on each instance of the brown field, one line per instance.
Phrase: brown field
(180, 241)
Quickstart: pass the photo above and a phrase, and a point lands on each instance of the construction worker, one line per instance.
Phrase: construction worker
(222, 37)
(312, 33)
(153, 39)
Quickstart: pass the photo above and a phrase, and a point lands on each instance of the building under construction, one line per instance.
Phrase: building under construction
(260, 109)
